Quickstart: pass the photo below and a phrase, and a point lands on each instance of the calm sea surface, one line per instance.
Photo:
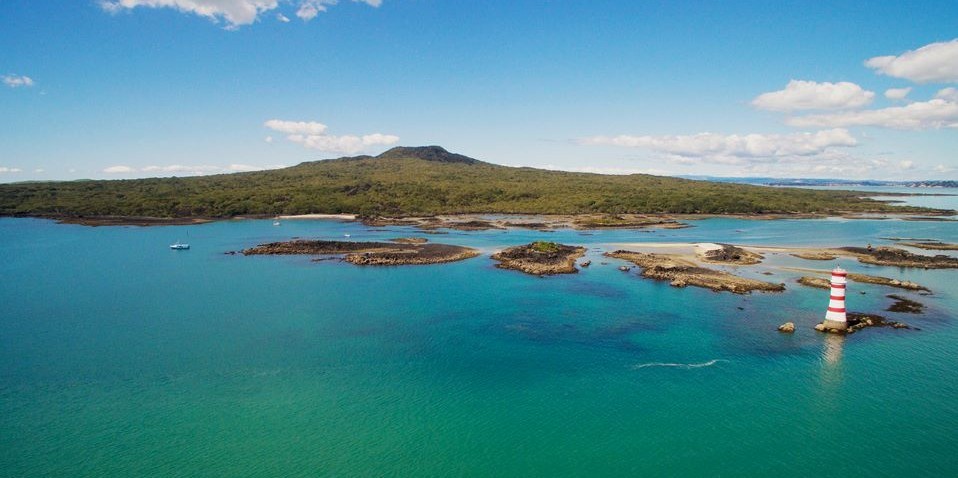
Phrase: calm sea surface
(120, 357)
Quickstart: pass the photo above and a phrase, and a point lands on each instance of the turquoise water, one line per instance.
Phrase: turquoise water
(120, 357)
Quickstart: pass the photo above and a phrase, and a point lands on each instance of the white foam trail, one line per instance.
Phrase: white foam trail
(680, 365)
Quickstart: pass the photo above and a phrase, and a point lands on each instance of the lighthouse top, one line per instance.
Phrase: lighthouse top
(838, 271)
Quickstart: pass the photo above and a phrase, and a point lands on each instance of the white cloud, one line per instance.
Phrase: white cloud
(39, 170)
(733, 149)
(313, 135)
(183, 169)
(296, 127)
(941, 168)
(268, 139)
(948, 94)
(897, 93)
(810, 95)
(16, 81)
(906, 164)
(939, 112)
(4, 169)
(187, 170)
(119, 169)
(235, 13)
(936, 62)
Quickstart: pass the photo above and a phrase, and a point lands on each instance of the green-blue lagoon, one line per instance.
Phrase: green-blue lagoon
(121, 357)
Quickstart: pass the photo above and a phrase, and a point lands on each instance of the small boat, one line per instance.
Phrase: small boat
(345, 235)
(179, 246)
(275, 223)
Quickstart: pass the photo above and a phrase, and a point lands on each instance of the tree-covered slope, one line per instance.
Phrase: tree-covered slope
(413, 181)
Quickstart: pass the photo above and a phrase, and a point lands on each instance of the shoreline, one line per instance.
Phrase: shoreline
(480, 221)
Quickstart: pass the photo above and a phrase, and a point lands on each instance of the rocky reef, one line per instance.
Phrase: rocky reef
(626, 221)
(369, 253)
(823, 283)
(891, 256)
(680, 273)
(540, 258)
(931, 245)
(857, 321)
(815, 255)
(729, 254)
(410, 240)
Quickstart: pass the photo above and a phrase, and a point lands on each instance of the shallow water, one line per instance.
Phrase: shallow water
(121, 357)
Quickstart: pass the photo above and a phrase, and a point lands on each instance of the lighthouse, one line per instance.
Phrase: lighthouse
(835, 317)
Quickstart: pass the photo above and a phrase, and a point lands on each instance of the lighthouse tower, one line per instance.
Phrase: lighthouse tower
(835, 317)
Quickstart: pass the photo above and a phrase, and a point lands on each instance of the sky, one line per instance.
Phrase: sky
(142, 88)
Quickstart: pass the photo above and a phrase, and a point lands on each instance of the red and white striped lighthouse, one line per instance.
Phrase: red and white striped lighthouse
(835, 317)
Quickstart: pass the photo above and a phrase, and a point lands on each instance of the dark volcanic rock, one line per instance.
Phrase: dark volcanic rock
(890, 256)
(540, 258)
(730, 254)
(369, 253)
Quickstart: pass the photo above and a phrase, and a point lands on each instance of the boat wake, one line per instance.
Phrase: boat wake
(679, 365)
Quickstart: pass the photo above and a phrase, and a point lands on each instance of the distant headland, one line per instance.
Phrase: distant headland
(415, 181)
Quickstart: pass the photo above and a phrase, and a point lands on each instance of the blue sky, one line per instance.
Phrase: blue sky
(138, 88)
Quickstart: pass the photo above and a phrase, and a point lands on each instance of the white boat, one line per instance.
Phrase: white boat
(275, 223)
(179, 246)
(345, 235)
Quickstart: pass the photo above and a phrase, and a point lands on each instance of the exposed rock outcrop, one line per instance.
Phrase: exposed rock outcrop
(540, 258)
(369, 253)
(729, 254)
(680, 273)
(891, 256)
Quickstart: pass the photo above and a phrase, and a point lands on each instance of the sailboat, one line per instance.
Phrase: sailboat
(180, 246)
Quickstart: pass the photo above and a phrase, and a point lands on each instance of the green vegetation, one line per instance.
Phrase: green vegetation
(545, 246)
(415, 181)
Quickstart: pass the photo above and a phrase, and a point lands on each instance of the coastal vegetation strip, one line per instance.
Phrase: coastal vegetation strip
(420, 182)
(369, 253)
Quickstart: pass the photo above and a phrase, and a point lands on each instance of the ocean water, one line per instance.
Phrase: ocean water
(120, 357)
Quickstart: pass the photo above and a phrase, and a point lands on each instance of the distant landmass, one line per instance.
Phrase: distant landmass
(407, 181)
(829, 182)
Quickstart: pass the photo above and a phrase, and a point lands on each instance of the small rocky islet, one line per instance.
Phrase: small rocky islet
(540, 258)
(680, 273)
(369, 253)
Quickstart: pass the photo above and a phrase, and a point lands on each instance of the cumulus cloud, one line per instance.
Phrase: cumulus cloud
(933, 63)
(183, 169)
(810, 95)
(948, 94)
(4, 169)
(235, 13)
(17, 81)
(296, 127)
(313, 135)
(119, 169)
(732, 149)
(897, 93)
(188, 170)
(940, 112)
